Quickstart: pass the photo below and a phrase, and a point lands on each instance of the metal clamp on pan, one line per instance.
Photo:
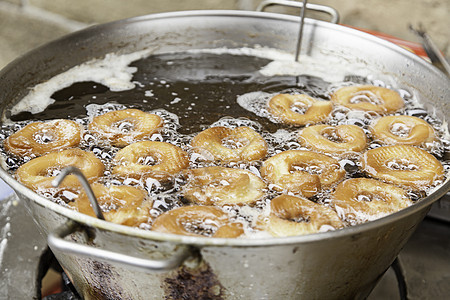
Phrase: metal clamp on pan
(316, 7)
(56, 238)
(303, 5)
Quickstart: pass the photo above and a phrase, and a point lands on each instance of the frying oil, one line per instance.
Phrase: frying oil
(193, 91)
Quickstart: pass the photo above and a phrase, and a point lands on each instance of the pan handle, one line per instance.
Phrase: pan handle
(317, 7)
(56, 241)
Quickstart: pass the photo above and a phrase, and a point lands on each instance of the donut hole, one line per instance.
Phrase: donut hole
(44, 136)
(299, 107)
(219, 183)
(364, 196)
(400, 129)
(331, 135)
(148, 160)
(401, 165)
(52, 171)
(309, 168)
(234, 142)
(291, 212)
(299, 219)
(124, 126)
(365, 97)
(204, 227)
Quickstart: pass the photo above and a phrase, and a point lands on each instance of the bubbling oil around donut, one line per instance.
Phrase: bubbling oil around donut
(191, 103)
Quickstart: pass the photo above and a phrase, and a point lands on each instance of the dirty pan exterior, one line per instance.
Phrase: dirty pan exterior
(110, 261)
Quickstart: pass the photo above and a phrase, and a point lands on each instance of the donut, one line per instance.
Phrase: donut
(359, 200)
(291, 215)
(221, 186)
(340, 139)
(196, 220)
(368, 98)
(301, 172)
(123, 127)
(230, 145)
(158, 160)
(403, 165)
(39, 138)
(402, 130)
(119, 204)
(39, 172)
(299, 109)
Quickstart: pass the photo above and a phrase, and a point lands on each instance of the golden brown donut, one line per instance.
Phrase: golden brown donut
(340, 139)
(39, 138)
(123, 127)
(403, 130)
(153, 159)
(230, 145)
(206, 221)
(301, 172)
(219, 185)
(362, 199)
(39, 173)
(292, 215)
(124, 205)
(403, 165)
(368, 98)
(299, 109)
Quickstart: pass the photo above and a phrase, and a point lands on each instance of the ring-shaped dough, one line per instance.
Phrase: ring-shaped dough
(359, 200)
(39, 172)
(159, 160)
(230, 145)
(124, 205)
(403, 165)
(206, 221)
(299, 109)
(402, 130)
(221, 186)
(292, 216)
(39, 138)
(124, 127)
(368, 98)
(301, 172)
(340, 139)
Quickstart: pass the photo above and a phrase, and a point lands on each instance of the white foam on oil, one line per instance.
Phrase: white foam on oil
(257, 51)
(113, 71)
(305, 67)
(331, 68)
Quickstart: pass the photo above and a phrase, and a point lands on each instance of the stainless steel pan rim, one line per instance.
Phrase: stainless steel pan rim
(98, 29)
(201, 241)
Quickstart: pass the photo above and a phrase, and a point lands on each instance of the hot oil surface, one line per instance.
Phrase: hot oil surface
(198, 88)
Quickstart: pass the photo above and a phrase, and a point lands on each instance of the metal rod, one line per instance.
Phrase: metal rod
(311, 6)
(85, 183)
(57, 242)
(400, 275)
(300, 31)
(433, 52)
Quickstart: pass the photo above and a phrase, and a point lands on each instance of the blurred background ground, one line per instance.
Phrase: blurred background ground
(25, 24)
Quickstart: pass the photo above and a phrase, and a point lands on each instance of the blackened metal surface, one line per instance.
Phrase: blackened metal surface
(200, 283)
